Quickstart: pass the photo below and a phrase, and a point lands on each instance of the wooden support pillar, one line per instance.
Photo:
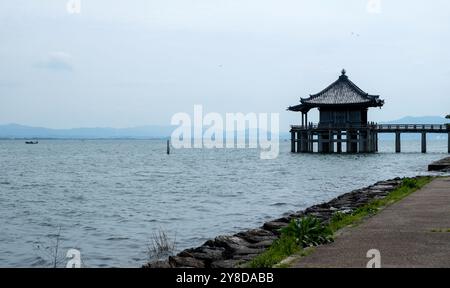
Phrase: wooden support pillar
(299, 142)
(303, 119)
(424, 142)
(365, 135)
(292, 141)
(320, 143)
(347, 140)
(398, 145)
(308, 141)
(330, 142)
(304, 142)
(448, 144)
(354, 143)
(351, 142)
(324, 143)
(301, 138)
(376, 141)
(339, 143)
(372, 142)
(362, 142)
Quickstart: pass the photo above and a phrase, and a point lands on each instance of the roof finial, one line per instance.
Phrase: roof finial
(343, 71)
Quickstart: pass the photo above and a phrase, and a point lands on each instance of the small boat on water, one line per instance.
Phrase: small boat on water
(31, 142)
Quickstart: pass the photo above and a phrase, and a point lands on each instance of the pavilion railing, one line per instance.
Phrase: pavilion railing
(335, 126)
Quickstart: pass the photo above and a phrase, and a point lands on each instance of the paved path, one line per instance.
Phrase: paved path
(402, 233)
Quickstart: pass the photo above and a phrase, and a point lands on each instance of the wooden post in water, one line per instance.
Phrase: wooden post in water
(168, 147)
(397, 142)
(424, 142)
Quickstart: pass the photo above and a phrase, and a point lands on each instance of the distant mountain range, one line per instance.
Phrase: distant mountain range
(419, 120)
(144, 132)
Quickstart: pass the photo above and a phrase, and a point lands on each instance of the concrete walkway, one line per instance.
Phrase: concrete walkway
(402, 233)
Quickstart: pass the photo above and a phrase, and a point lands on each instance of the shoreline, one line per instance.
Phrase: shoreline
(232, 251)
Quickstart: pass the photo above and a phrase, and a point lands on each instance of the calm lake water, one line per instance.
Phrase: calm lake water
(109, 196)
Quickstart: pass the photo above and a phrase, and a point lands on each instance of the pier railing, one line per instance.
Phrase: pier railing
(358, 138)
(381, 128)
(413, 127)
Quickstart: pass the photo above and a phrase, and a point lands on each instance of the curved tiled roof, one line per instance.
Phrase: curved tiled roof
(341, 92)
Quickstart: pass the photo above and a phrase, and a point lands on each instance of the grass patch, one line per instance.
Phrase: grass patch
(310, 231)
(280, 249)
(299, 234)
(161, 246)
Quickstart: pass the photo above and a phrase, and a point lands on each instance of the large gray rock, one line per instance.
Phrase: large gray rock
(246, 250)
(257, 235)
(206, 253)
(262, 244)
(274, 225)
(186, 262)
(232, 244)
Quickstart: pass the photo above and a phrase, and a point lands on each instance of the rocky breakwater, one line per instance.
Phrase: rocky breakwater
(228, 251)
(442, 165)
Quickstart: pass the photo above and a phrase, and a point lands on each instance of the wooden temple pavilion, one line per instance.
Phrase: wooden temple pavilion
(343, 119)
(343, 122)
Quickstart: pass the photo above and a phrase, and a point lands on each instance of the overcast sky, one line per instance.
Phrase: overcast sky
(131, 63)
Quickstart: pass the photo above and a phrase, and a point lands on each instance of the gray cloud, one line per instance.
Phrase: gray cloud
(59, 61)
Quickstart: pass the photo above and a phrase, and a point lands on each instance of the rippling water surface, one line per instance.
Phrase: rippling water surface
(109, 196)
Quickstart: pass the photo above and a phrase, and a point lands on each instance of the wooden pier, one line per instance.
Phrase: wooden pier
(357, 138)
(343, 123)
